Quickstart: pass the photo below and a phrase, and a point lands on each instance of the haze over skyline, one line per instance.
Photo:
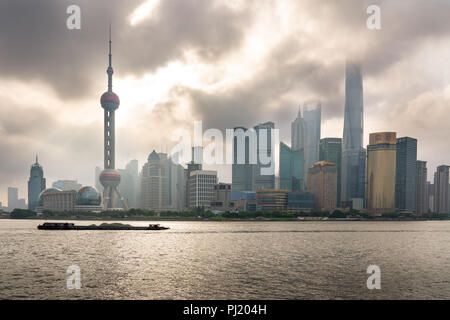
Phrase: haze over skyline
(227, 63)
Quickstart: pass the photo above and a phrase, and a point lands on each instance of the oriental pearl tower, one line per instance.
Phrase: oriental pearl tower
(110, 177)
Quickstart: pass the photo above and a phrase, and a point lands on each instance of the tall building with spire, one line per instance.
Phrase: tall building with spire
(36, 183)
(298, 133)
(353, 154)
(305, 134)
(110, 177)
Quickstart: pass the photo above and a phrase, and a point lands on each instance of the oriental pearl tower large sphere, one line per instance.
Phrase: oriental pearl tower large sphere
(110, 177)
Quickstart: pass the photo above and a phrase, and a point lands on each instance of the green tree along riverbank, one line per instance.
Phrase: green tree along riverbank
(201, 214)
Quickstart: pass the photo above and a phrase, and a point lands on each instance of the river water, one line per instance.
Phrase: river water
(228, 260)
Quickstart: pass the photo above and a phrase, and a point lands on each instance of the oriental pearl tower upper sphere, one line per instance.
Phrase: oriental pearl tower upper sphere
(110, 177)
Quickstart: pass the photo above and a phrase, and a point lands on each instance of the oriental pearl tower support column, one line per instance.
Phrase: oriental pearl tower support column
(110, 177)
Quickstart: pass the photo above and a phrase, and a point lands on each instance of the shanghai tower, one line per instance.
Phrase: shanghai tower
(353, 153)
(110, 177)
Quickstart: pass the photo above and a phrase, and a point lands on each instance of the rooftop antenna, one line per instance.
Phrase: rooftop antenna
(110, 68)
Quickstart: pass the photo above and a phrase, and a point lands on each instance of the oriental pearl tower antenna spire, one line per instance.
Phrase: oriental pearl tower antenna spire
(110, 177)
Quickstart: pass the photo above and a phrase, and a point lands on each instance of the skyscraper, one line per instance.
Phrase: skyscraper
(133, 169)
(13, 198)
(253, 165)
(291, 168)
(421, 187)
(177, 185)
(128, 188)
(244, 159)
(155, 183)
(110, 177)
(322, 183)
(222, 197)
(195, 164)
(381, 165)
(312, 114)
(330, 149)
(264, 179)
(441, 180)
(298, 132)
(36, 183)
(430, 196)
(298, 138)
(353, 154)
(201, 189)
(405, 179)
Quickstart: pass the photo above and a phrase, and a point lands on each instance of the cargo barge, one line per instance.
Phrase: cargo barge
(103, 226)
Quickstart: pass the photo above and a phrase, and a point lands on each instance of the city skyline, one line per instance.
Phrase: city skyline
(56, 111)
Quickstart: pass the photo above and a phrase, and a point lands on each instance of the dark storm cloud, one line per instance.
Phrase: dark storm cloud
(37, 45)
(262, 99)
(208, 29)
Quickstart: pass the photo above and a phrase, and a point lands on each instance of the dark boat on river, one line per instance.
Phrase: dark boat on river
(103, 226)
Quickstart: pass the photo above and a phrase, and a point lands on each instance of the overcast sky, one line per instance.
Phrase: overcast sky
(226, 62)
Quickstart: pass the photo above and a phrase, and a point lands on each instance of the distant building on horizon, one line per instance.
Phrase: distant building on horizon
(247, 168)
(312, 114)
(13, 200)
(298, 138)
(264, 179)
(195, 164)
(430, 196)
(155, 183)
(291, 168)
(129, 185)
(271, 199)
(381, 166)
(222, 197)
(406, 172)
(177, 184)
(441, 189)
(299, 201)
(36, 184)
(243, 200)
(298, 132)
(322, 183)
(330, 149)
(421, 187)
(353, 172)
(244, 147)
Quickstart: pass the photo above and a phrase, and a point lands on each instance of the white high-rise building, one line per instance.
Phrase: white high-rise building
(201, 188)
